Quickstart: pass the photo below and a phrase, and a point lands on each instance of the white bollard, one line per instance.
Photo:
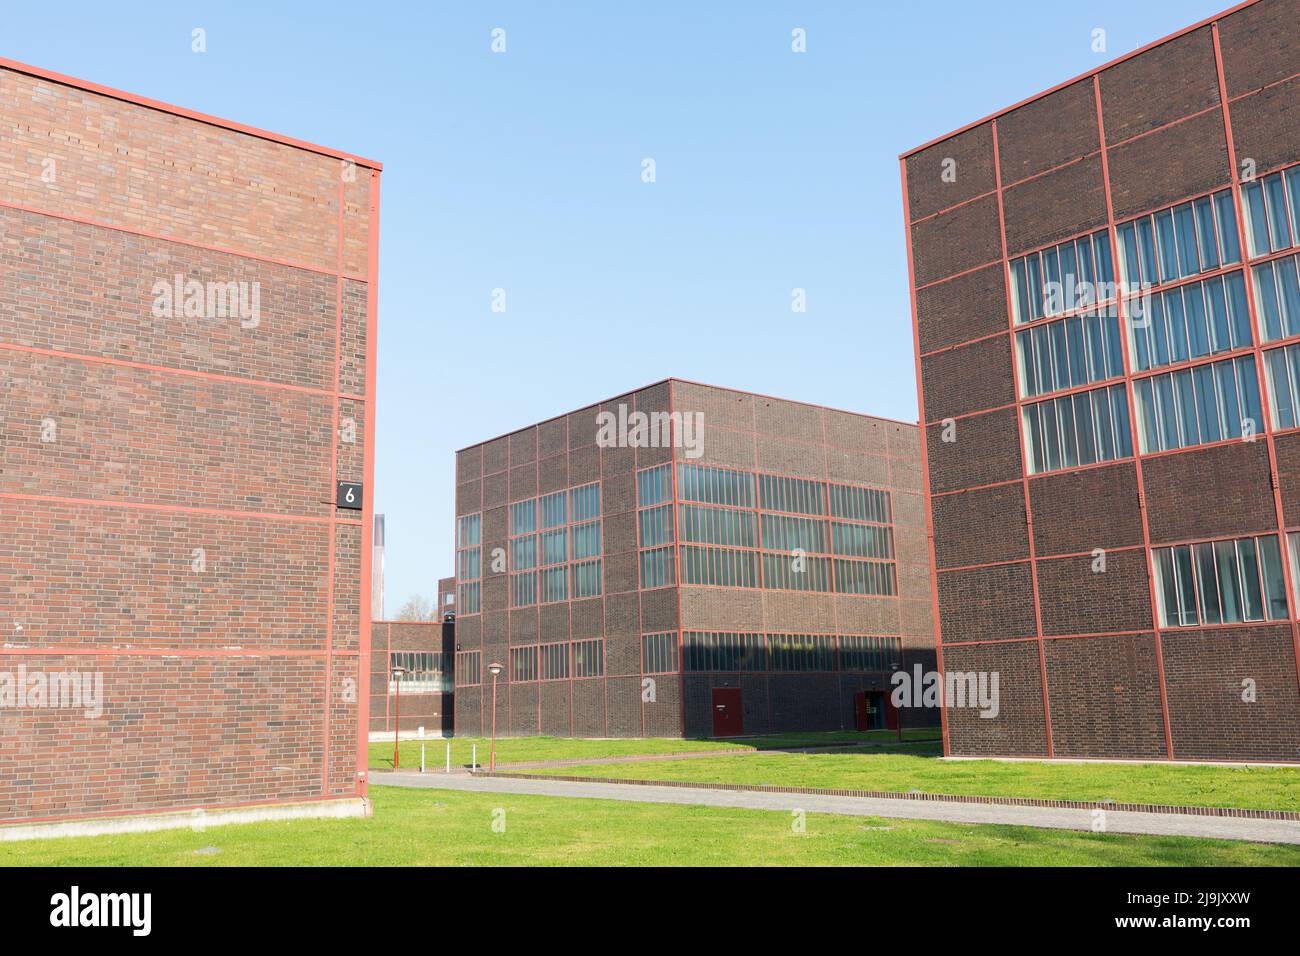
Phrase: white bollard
(449, 756)
(473, 758)
(421, 756)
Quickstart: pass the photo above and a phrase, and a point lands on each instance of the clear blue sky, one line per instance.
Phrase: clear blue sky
(522, 171)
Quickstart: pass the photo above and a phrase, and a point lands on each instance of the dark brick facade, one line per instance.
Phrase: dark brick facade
(742, 431)
(1048, 576)
(168, 487)
(429, 702)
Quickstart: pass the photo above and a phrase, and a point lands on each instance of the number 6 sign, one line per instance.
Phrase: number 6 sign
(349, 495)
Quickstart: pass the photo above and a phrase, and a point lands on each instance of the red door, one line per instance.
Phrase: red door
(728, 712)
(891, 711)
(861, 711)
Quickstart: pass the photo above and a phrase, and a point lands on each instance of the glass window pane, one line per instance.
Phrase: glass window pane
(1146, 415)
(1234, 284)
(1159, 332)
(1229, 409)
(1189, 262)
(1207, 404)
(1119, 415)
(1105, 267)
(1167, 409)
(1248, 392)
(1209, 242)
(1198, 335)
(1177, 322)
(1207, 585)
(1166, 587)
(1226, 214)
(1186, 578)
(1216, 305)
(1280, 399)
(1186, 397)
(1267, 300)
(1289, 292)
(1252, 595)
(1257, 235)
(1147, 249)
(1078, 354)
(1225, 553)
(1069, 437)
(1083, 428)
(1279, 227)
(1274, 587)
(1167, 245)
(1087, 274)
(1105, 425)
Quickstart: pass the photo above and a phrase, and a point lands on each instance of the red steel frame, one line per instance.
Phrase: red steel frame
(1245, 266)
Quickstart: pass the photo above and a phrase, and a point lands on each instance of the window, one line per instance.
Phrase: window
(1069, 352)
(1199, 405)
(1179, 242)
(713, 651)
(716, 486)
(723, 567)
(790, 495)
(1272, 207)
(859, 529)
(1277, 295)
(659, 653)
(1188, 322)
(523, 663)
(870, 653)
(1072, 275)
(588, 658)
(654, 494)
(554, 661)
(469, 555)
(1282, 368)
(584, 508)
(523, 553)
(729, 652)
(421, 672)
(468, 669)
(1081, 429)
(1220, 582)
(801, 652)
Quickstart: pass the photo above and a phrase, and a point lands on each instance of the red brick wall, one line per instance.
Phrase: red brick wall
(1018, 582)
(168, 483)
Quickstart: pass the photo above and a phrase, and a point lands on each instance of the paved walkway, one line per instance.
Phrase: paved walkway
(1117, 821)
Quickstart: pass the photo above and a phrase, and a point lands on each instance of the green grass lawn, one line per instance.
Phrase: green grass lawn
(1252, 787)
(444, 827)
(523, 749)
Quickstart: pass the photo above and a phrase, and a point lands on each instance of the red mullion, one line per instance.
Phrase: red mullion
(677, 560)
(1024, 474)
(1260, 372)
(925, 467)
(1096, 464)
(1266, 86)
(1133, 425)
(957, 275)
(1048, 172)
(975, 414)
(957, 345)
(1190, 364)
(998, 640)
(952, 208)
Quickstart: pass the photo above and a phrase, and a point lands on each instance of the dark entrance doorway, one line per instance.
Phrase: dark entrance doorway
(728, 712)
(873, 710)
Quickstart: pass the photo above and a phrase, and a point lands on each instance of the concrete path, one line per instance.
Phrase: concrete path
(1117, 821)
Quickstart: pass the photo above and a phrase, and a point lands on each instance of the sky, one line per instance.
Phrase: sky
(523, 171)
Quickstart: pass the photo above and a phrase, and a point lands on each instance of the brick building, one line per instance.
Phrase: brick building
(1106, 306)
(422, 653)
(689, 560)
(186, 310)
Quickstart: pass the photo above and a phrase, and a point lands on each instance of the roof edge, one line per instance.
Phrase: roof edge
(108, 91)
(1095, 71)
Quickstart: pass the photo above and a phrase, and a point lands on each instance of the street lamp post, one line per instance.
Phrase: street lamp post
(397, 716)
(494, 669)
